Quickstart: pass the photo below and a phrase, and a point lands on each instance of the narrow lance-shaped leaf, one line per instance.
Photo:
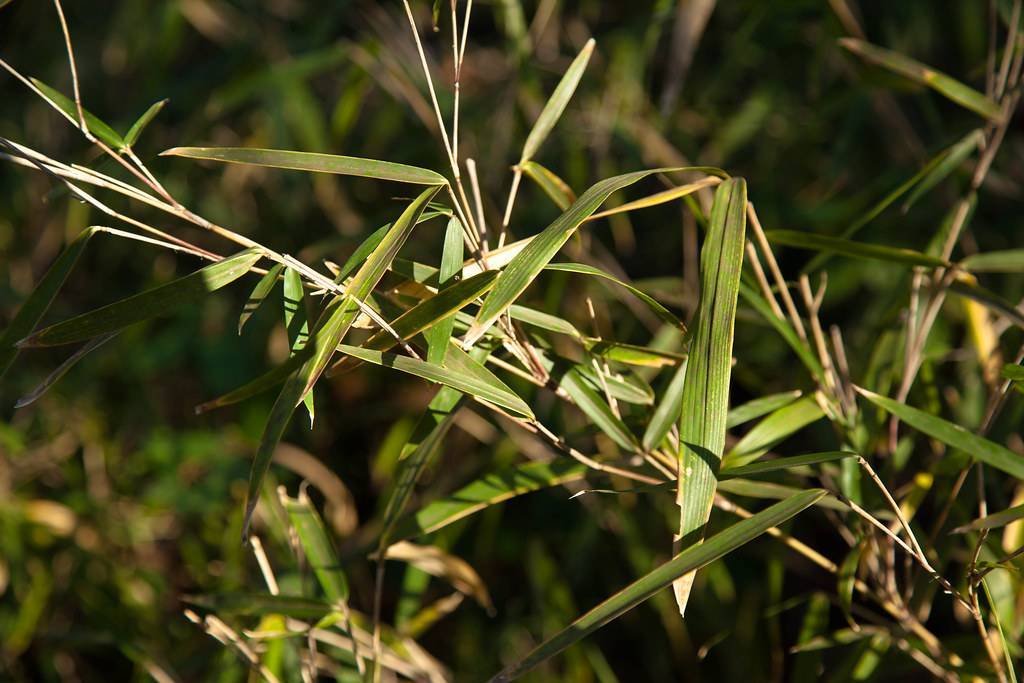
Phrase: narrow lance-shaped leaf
(491, 489)
(951, 160)
(993, 521)
(686, 562)
(556, 103)
(751, 410)
(779, 464)
(68, 106)
(309, 161)
(663, 313)
(986, 297)
(259, 294)
(424, 314)
(317, 546)
(451, 264)
(528, 263)
(153, 303)
(38, 302)
(1006, 261)
(593, 405)
(785, 330)
(296, 324)
(334, 322)
(63, 368)
(948, 86)
(668, 411)
(878, 252)
(554, 187)
(771, 430)
(988, 452)
(493, 390)
(140, 125)
(705, 403)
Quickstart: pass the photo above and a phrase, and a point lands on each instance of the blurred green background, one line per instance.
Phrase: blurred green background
(115, 500)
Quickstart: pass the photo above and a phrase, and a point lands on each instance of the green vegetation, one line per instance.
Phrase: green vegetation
(443, 341)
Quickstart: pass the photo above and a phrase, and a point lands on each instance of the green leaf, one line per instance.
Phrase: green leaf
(952, 159)
(993, 521)
(771, 430)
(705, 395)
(592, 404)
(363, 251)
(328, 332)
(1013, 372)
(136, 130)
(424, 314)
(38, 302)
(554, 187)
(317, 546)
(1007, 261)
(815, 242)
(668, 411)
(544, 321)
(786, 463)
(63, 368)
(451, 265)
(751, 410)
(296, 324)
(556, 104)
(491, 489)
(420, 450)
(153, 303)
(785, 330)
(663, 313)
(259, 294)
(493, 390)
(633, 354)
(267, 380)
(528, 263)
(954, 435)
(96, 127)
(686, 562)
(919, 73)
(768, 490)
(845, 580)
(309, 161)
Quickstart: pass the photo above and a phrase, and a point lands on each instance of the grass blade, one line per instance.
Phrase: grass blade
(493, 390)
(685, 563)
(771, 430)
(993, 521)
(751, 410)
(334, 323)
(952, 159)
(136, 130)
(785, 330)
(705, 395)
(38, 302)
(491, 489)
(309, 161)
(155, 302)
(988, 298)
(783, 464)
(267, 380)
(945, 85)
(556, 103)
(583, 269)
(554, 187)
(316, 545)
(62, 369)
(988, 452)
(633, 354)
(96, 127)
(668, 411)
(296, 324)
(528, 263)
(259, 293)
(1007, 261)
(836, 245)
(451, 264)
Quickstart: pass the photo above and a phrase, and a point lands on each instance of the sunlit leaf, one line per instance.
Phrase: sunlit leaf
(259, 294)
(816, 242)
(316, 546)
(140, 125)
(451, 265)
(68, 106)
